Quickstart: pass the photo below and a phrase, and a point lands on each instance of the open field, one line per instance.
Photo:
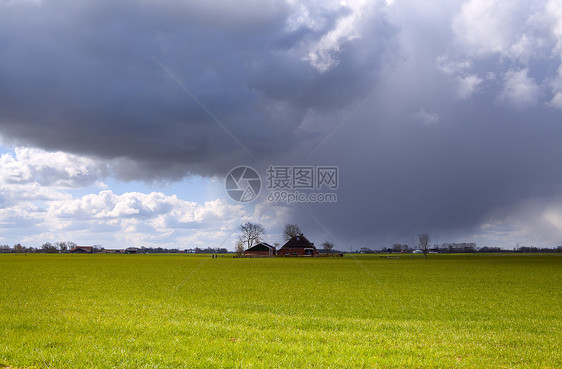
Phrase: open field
(128, 311)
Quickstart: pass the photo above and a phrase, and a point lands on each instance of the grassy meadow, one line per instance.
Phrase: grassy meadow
(165, 311)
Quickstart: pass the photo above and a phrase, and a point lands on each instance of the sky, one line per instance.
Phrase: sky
(120, 120)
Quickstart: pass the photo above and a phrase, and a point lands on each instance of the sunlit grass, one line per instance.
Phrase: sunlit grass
(75, 311)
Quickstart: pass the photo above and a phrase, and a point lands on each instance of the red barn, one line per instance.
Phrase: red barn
(82, 250)
(299, 245)
(261, 249)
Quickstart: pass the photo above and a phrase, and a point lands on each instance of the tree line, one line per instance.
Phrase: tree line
(462, 247)
(47, 248)
(253, 233)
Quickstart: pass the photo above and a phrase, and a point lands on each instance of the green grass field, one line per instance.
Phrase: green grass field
(162, 311)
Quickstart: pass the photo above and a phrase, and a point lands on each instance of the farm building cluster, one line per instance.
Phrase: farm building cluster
(298, 245)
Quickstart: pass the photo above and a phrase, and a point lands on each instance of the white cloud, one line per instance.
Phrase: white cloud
(556, 89)
(38, 203)
(301, 17)
(321, 53)
(554, 218)
(556, 101)
(515, 33)
(531, 222)
(12, 171)
(426, 117)
(538, 220)
(519, 89)
(36, 206)
(554, 12)
(57, 169)
(485, 27)
(525, 48)
(113, 220)
(467, 85)
(453, 66)
(106, 206)
(34, 175)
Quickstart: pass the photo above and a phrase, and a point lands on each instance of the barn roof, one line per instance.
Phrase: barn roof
(261, 247)
(89, 249)
(299, 242)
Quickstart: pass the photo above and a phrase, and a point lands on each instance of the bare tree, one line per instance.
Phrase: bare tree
(49, 248)
(251, 234)
(290, 231)
(423, 242)
(63, 247)
(239, 248)
(398, 247)
(328, 246)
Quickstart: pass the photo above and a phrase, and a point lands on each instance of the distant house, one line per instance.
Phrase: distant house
(299, 245)
(82, 250)
(261, 249)
(112, 251)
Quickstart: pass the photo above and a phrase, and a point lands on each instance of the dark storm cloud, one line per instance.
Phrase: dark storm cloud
(460, 134)
(86, 79)
(83, 79)
(401, 177)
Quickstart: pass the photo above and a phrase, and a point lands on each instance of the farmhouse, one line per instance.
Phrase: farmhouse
(82, 250)
(299, 245)
(112, 251)
(261, 249)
